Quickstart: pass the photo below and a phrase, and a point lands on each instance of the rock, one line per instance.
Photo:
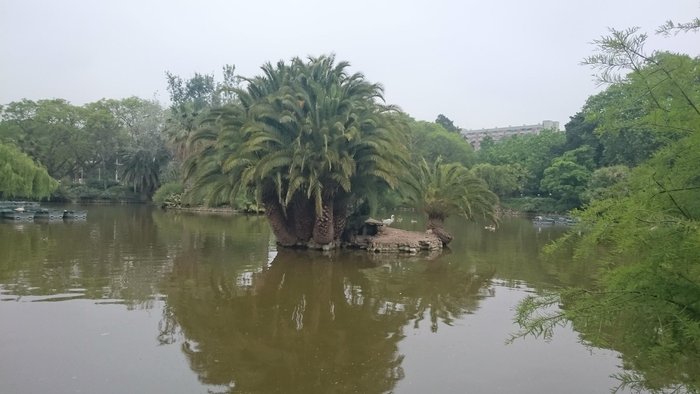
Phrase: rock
(392, 240)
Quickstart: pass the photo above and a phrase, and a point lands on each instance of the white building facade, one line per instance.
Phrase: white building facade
(498, 133)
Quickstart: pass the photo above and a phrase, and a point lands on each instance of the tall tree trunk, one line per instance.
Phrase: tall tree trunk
(278, 223)
(277, 218)
(437, 226)
(323, 233)
(302, 217)
(340, 217)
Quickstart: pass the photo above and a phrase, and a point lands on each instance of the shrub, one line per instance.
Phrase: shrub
(169, 194)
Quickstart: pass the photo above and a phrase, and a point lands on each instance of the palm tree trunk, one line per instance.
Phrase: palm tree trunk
(278, 223)
(323, 233)
(437, 226)
(302, 218)
(276, 217)
(340, 217)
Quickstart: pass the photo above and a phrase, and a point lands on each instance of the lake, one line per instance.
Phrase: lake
(138, 300)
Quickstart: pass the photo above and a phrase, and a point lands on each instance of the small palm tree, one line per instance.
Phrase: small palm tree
(141, 167)
(441, 190)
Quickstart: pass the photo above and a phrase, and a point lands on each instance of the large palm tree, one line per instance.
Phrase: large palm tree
(441, 190)
(305, 137)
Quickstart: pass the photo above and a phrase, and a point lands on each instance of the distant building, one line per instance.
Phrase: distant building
(498, 133)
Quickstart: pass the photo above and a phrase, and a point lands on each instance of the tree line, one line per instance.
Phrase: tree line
(616, 130)
(109, 145)
(309, 142)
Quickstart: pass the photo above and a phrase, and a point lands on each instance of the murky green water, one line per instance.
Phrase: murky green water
(136, 300)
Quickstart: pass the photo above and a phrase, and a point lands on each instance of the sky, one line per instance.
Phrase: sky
(481, 63)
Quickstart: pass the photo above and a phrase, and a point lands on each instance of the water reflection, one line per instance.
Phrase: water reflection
(247, 317)
(120, 253)
(113, 256)
(312, 323)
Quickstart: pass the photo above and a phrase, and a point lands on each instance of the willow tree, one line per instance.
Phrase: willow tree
(309, 139)
(20, 176)
(441, 190)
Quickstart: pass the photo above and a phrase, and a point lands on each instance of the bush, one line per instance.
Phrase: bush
(169, 194)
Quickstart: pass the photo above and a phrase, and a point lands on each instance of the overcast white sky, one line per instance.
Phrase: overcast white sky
(481, 63)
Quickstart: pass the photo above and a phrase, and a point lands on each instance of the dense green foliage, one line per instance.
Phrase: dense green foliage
(21, 177)
(169, 194)
(305, 137)
(191, 102)
(95, 191)
(431, 140)
(90, 146)
(444, 189)
(532, 205)
(504, 180)
(624, 125)
(441, 190)
(646, 243)
(309, 139)
(315, 146)
(446, 123)
(567, 176)
(607, 182)
(49, 132)
(641, 227)
(527, 155)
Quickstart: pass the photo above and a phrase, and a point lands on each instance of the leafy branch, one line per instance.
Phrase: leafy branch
(671, 27)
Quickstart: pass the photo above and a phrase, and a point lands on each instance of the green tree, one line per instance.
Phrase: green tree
(580, 132)
(431, 140)
(52, 132)
(441, 190)
(654, 91)
(504, 180)
(310, 139)
(192, 99)
(21, 177)
(645, 238)
(622, 138)
(532, 152)
(446, 123)
(647, 303)
(486, 145)
(143, 153)
(607, 182)
(141, 166)
(106, 137)
(566, 180)
(74, 143)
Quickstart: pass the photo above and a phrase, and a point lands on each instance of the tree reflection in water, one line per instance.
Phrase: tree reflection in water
(296, 321)
(312, 323)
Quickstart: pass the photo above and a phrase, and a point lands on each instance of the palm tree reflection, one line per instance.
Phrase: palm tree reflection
(311, 323)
